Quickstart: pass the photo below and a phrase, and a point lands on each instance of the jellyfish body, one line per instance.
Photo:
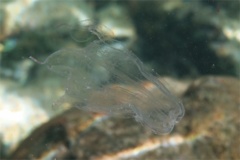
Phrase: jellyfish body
(102, 78)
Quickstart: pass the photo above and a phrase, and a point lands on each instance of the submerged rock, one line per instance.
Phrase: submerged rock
(208, 131)
(19, 115)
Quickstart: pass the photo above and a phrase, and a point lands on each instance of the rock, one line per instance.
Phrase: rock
(19, 115)
(185, 37)
(36, 14)
(118, 24)
(209, 130)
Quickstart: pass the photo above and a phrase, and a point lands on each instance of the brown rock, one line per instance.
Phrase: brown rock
(209, 130)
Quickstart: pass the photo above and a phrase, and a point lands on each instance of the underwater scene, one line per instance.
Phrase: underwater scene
(119, 80)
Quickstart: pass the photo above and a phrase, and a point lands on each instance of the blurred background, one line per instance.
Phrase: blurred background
(193, 45)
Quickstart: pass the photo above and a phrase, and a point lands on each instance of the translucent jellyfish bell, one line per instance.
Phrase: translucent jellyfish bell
(107, 79)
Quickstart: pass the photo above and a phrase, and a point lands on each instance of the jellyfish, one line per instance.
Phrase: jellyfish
(103, 77)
